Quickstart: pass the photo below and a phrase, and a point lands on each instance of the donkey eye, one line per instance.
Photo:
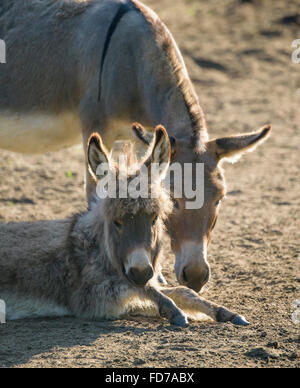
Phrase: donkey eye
(220, 200)
(176, 204)
(118, 224)
(154, 220)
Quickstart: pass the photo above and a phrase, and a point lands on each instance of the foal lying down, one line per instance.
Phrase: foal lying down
(103, 263)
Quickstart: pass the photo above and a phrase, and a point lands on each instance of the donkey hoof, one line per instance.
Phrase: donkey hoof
(179, 320)
(239, 320)
(162, 279)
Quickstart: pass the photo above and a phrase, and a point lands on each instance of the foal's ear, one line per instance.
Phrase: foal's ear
(161, 151)
(142, 134)
(147, 138)
(233, 147)
(97, 157)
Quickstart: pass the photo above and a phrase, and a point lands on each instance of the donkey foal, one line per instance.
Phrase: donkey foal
(103, 263)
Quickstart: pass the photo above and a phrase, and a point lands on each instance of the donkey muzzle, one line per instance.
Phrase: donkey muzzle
(138, 268)
(140, 277)
(191, 267)
(194, 277)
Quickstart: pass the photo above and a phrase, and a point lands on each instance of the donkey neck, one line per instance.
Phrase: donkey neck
(88, 237)
(150, 82)
(168, 91)
(173, 100)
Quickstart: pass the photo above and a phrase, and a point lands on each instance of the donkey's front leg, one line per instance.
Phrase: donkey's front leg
(160, 276)
(187, 299)
(167, 308)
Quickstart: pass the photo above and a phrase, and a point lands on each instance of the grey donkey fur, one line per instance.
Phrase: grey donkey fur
(101, 264)
(49, 99)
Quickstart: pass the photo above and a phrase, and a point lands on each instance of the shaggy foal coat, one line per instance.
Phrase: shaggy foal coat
(101, 264)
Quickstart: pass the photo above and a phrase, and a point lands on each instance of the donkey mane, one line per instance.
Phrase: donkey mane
(73, 8)
(165, 40)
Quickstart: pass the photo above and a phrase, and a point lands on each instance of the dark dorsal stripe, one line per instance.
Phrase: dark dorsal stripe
(124, 8)
(194, 110)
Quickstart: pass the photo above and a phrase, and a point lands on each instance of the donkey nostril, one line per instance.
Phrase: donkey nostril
(133, 272)
(194, 278)
(184, 277)
(149, 273)
(141, 276)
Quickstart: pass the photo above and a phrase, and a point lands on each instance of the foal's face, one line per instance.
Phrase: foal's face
(133, 225)
(134, 242)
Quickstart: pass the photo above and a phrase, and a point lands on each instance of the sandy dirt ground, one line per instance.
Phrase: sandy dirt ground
(238, 54)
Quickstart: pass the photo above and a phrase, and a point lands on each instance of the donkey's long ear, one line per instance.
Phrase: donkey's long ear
(234, 146)
(161, 151)
(97, 156)
(142, 134)
(147, 137)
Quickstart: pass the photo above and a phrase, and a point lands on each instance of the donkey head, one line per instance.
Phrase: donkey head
(132, 223)
(191, 229)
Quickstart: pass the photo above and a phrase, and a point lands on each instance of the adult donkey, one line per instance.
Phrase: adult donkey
(75, 67)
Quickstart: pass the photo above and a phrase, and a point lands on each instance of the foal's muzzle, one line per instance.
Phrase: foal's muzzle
(138, 268)
(140, 276)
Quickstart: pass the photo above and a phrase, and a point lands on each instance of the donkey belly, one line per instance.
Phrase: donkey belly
(21, 307)
(38, 132)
